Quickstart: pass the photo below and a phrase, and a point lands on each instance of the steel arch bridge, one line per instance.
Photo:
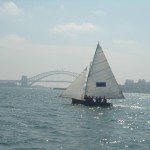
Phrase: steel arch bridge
(38, 77)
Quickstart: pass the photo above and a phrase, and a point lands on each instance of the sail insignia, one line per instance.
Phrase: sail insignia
(100, 84)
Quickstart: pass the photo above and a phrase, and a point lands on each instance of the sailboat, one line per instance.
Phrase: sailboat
(99, 82)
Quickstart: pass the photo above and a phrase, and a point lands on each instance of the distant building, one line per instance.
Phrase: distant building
(136, 87)
(128, 82)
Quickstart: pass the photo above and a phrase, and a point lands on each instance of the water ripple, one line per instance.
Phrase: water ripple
(39, 119)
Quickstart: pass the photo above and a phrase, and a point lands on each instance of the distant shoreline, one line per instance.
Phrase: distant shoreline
(129, 87)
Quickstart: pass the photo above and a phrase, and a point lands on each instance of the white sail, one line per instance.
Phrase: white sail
(76, 89)
(101, 81)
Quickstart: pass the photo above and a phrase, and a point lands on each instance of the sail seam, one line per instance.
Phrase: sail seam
(100, 70)
(109, 78)
(99, 52)
(100, 62)
(113, 86)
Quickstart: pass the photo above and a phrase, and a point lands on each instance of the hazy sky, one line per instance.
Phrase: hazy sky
(37, 36)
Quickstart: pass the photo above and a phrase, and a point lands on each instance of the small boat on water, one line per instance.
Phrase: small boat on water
(99, 83)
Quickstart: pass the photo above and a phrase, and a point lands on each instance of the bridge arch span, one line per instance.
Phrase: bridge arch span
(38, 77)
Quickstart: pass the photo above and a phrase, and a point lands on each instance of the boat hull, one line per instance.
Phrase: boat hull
(92, 104)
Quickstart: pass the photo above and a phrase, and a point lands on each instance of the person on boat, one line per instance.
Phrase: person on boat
(97, 100)
(100, 99)
(85, 97)
(90, 100)
(104, 100)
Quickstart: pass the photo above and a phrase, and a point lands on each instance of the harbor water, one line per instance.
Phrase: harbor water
(38, 119)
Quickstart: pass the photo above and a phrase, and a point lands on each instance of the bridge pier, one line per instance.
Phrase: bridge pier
(24, 81)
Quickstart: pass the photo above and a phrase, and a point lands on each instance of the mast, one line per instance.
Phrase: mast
(91, 64)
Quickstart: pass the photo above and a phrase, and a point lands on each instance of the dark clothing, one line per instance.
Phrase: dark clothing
(104, 100)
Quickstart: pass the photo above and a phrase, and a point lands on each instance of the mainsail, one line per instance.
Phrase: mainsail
(76, 89)
(101, 81)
